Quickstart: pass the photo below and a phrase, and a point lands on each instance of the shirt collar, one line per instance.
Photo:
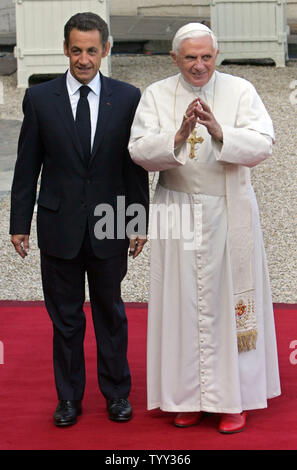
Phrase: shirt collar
(205, 88)
(74, 85)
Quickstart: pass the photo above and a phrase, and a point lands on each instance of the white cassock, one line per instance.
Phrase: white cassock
(209, 284)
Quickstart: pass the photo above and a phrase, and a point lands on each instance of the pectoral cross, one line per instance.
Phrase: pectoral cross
(193, 140)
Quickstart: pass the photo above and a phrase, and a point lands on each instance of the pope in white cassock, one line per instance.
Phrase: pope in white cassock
(211, 333)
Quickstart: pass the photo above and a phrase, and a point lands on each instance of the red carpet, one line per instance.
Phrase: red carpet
(28, 396)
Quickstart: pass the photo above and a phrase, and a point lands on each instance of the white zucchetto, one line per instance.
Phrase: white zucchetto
(191, 30)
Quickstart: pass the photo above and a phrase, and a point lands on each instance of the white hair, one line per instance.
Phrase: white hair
(192, 31)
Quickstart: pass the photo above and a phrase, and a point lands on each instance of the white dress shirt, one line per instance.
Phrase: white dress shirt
(73, 87)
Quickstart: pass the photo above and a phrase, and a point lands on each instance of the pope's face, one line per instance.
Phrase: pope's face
(196, 60)
(85, 52)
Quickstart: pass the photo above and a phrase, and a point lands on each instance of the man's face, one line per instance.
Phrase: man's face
(85, 52)
(196, 60)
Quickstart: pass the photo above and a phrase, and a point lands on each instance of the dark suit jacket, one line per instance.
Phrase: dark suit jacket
(70, 190)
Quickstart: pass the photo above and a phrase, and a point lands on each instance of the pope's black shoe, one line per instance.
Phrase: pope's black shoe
(119, 409)
(67, 412)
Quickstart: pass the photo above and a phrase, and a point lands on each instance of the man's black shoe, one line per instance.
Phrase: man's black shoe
(67, 412)
(119, 409)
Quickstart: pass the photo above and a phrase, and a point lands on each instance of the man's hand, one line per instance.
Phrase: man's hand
(207, 119)
(21, 244)
(187, 126)
(198, 112)
(136, 245)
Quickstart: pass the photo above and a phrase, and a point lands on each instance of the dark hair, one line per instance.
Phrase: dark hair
(86, 22)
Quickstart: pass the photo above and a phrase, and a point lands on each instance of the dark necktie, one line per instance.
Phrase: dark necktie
(83, 122)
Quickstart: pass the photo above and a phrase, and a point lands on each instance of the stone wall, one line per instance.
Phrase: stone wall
(7, 17)
(198, 9)
(177, 8)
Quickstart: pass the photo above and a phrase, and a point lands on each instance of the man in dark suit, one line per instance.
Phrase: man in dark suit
(76, 129)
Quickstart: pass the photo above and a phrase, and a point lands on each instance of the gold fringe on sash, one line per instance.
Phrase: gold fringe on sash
(247, 341)
(246, 324)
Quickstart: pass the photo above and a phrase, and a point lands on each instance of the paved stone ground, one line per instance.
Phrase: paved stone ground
(9, 131)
